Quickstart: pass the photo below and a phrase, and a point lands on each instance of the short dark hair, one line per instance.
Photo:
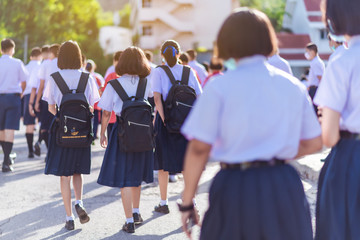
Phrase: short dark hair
(89, 66)
(54, 49)
(342, 17)
(312, 47)
(133, 62)
(192, 53)
(35, 52)
(149, 55)
(7, 44)
(184, 57)
(206, 66)
(169, 50)
(69, 55)
(45, 49)
(216, 64)
(246, 32)
(117, 55)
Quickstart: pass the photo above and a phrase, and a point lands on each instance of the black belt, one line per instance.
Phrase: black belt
(349, 135)
(15, 94)
(254, 164)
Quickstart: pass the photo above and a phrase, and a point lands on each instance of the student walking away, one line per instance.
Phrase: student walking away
(175, 89)
(337, 45)
(185, 58)
(41, 105)
(261, 117)
(70, 95)
(111, 69)
(129, 157)
(29, 120)
(199, 68)
(11, 89)
(216, 67)
(337, 214)
(316, 71)
(280, 63)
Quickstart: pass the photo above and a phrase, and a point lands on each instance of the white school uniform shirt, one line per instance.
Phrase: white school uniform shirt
(110, 100)
(280, 63)
(200, 69)
(340, 88)
(110, 69)
(53, 95)
(317, 68)
(161, 82)
(256, 112)
(33, 68)
(48, 68)
(338, 51)
(12, 74)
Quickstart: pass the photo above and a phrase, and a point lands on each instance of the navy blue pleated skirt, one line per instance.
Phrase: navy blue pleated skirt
(45, 116)
(66, 161)
(121, 169)
(170, 149)
(338, 206)
(265, 203)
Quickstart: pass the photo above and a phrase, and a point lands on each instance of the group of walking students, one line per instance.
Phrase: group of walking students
(253, 119)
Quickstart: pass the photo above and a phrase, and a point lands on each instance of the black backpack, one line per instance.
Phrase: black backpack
(74, 117)
(135, 130)
(179, 101)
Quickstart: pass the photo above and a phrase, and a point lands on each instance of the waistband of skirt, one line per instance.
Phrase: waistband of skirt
(10, 94)
(349, 135)
(253, 164)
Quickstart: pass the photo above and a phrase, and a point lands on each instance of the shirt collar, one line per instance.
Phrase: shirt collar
(5, 56)
(251, 60)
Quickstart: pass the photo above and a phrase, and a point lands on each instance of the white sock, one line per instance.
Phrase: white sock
(164, 202)
(80, 202)
(70, 218)
(136, 210)
(129, 220)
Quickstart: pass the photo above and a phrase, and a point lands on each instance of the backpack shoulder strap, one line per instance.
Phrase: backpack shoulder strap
(83, 82)
(60, 82)
(168, 73)
(185, 75)
(140, 92)
(119, 90)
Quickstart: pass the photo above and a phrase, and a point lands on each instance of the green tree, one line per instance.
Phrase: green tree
(274, 9)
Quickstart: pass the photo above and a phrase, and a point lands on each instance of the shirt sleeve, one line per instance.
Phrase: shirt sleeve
(207, 106)
(48, 94)
(333, 88)
(23, 73)
(106, 101)
(195, 83)
(41, 73)
(310, 126)
(93, 91)
(318, 69)
(156, 81)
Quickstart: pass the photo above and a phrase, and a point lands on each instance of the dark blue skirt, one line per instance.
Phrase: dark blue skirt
(66, 161)
(260, 203)
(28, 119)
(338, 206)
(170, 149)
(121, 169)
(46, 117)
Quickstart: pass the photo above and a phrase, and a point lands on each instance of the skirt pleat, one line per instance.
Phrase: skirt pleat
(121, 169)
(266, 203)
(62, 161)
(170, 149)
(338, 206)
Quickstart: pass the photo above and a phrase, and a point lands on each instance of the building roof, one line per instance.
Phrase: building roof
(112, 5)
(289, 40)
(313, 5)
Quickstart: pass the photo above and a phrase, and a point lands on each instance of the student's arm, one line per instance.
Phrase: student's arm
(310, 146)
(196, 157)
(31, 102)
(319, 77)
(159, 105)
(23, 86)
(52, 109)
(39, 95)
(330, 127)
(104, 123)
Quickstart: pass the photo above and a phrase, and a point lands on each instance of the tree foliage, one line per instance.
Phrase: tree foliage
(274, 9)
(53, 21)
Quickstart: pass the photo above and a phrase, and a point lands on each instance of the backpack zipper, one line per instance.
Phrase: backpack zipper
(76, 119)
(138, 124)
(183, 104)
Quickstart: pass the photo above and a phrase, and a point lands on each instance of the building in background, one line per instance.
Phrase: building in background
(303, 19)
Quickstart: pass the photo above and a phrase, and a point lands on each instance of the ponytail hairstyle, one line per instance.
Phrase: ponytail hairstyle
(170, 49)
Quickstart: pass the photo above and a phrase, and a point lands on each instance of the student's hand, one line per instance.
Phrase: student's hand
(37, 106)
(188, 220)
(103, 141)
(31, 110)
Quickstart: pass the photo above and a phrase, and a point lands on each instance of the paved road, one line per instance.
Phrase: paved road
(31, 204)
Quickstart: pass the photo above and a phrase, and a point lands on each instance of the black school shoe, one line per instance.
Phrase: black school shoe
(162, 209)
(129, 227)
(81, 212)
(37, 149)
(137, 218)
(31, 155)
(70, 225)
(7, 168)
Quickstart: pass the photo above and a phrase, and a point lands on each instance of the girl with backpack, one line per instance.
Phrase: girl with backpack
(170, 144)
(66, 161)
(129, 157)
(253, 131)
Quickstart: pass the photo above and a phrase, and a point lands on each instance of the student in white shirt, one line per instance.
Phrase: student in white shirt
(280, 63)
(337, 45)
(260, 117)
(338, 205)
(29, 120)
(121, 169)
(200, 69)
(13, 77)
(111, 69)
